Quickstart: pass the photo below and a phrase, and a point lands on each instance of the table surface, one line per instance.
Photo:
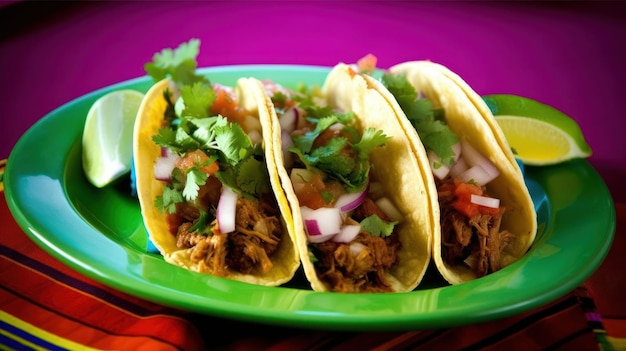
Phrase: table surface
(566, 54)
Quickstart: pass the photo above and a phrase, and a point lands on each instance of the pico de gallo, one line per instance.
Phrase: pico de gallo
(349, 222)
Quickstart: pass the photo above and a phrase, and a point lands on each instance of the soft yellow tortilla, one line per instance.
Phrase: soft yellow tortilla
(149, 120)
(394, 166)
(473, 97)
(469, 123)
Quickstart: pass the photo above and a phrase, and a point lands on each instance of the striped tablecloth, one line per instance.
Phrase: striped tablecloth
(46, 305)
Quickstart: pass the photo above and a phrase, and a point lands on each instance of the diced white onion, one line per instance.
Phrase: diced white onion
(485, 201)
(438, 168)
(164, 165)
(458, 167)
(477, 174)
(350, 201)
(347, 233)
(321, 224)
(289, 120)
(470, 154)
(490, 168)
(474, 158)
(389, 209)
(226, 209)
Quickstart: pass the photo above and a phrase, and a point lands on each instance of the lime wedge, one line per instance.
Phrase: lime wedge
(538, 134)
(108, 136)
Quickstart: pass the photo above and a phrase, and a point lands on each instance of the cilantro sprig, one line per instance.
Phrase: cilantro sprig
(179, 64)
(427, 121)
(344, 158)
(241, 164)
(376, 226)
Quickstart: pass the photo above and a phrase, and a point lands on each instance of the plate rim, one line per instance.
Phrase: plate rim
(303, 318)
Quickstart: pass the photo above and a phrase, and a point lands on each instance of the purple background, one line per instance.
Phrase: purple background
(568, 55)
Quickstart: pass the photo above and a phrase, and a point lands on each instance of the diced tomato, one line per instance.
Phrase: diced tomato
(310, 194)
(464, 204)
(367, 63)
(226, 105)
(465, 191)
(466, 208)
(195, 158)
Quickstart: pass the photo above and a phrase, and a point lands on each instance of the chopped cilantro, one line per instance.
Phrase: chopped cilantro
(370, 140)
(327, 196)
(179, 64)
(305, 142)
(198, 98)
(306, 98)
(241, 164)
(168, 200)
(279, 100)
(331, 159)
(201, 226)
(232, 141)
(344, 158)
(195, 178)
(375, 226)
(252, 176)
(432, 130)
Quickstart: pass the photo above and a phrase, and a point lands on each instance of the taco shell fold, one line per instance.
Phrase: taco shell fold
(470, 120)
(394, 166)
(285, 260)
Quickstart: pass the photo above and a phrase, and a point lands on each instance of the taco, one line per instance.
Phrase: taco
(209, 201)
(485, 216)
(358, 202)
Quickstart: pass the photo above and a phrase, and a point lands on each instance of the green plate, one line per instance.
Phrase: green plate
(100, 234)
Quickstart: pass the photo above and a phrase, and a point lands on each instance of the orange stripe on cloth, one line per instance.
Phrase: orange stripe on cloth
(29, 336)
(79, 317)
(48, 323)
(40, 291)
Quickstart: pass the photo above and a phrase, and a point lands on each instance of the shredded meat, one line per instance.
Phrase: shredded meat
(478, 240)
(358, 266)
(247, 250)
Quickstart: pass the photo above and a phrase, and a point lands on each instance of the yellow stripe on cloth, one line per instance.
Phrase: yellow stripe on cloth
(38, 333)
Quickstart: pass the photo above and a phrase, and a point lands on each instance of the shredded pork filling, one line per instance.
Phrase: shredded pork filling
(358, 266)
(477, 242)
(246, 250)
